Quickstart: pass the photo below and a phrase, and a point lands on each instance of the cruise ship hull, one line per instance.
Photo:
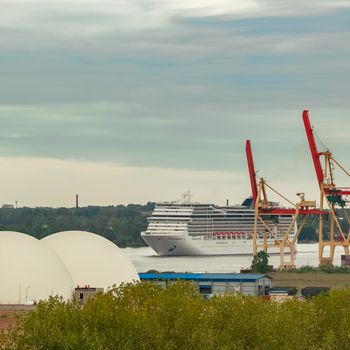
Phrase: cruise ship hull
(177, 245)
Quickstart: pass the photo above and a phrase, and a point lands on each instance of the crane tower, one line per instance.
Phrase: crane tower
(265, 211)
(331, 196)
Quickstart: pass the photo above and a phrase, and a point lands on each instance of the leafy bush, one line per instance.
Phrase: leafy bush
(260, 263)
(144, 316)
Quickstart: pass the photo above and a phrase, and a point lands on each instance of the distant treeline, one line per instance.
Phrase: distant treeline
(120, 224)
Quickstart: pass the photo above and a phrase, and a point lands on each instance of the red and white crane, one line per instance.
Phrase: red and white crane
(330, 194)
(265, 211)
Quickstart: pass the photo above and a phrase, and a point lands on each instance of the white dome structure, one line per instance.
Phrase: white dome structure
(91, 259)
(30, 271)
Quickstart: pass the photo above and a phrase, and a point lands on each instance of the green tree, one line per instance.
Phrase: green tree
(260, 262)
(144, 316)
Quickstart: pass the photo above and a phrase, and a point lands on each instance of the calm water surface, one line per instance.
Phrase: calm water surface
(145, 259)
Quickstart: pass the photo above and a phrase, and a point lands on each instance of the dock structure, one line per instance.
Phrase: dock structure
(210, 284)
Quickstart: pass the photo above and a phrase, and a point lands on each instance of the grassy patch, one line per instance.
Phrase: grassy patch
(320, 269)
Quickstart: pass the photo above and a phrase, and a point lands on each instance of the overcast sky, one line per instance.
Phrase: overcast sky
(132, 101)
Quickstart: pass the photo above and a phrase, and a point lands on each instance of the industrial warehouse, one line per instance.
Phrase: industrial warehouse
(210, 284)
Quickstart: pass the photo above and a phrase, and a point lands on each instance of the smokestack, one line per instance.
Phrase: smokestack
(76, 201)
(226, 202)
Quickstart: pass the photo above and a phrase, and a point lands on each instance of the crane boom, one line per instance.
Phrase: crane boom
(251, 169)
(313, 148)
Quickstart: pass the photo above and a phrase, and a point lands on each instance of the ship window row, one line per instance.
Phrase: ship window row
(213, 217)
(210, 210)
(166, 232)
(232, 235)
(225, 227)
(211, 214)
(241, 236)
(173, 211)
(247, 224)
(169, 217)
(155, 228)
(203, 219)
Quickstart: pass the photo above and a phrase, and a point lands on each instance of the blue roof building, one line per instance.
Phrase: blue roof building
(215, 283)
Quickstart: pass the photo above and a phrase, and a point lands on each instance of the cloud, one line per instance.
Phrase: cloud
(49, 182)
(34, 181)
(84, 18)
(93, 17)
(172, 85)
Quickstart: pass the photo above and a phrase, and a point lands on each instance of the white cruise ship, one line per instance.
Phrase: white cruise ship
(205, 229)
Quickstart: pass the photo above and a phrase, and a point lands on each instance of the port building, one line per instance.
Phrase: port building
(210, 284)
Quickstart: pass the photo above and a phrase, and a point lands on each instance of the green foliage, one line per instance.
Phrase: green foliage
(306, 268)
(144, 316)
(334, 269)
(260, 262)
(122, 225)
(321, 269)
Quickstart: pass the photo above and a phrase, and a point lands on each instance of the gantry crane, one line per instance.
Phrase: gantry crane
(267, 233)
(333, 196)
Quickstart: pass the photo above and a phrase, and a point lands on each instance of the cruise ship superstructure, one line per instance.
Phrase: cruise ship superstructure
(205, 229)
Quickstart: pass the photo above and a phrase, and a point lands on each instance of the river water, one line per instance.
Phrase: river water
(145, 259)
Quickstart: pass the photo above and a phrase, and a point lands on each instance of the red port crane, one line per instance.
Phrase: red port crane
(333, 196)
(267, 233)
(252, 173)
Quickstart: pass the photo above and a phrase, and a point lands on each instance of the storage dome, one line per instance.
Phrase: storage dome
(30, 270)
(91, 259)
